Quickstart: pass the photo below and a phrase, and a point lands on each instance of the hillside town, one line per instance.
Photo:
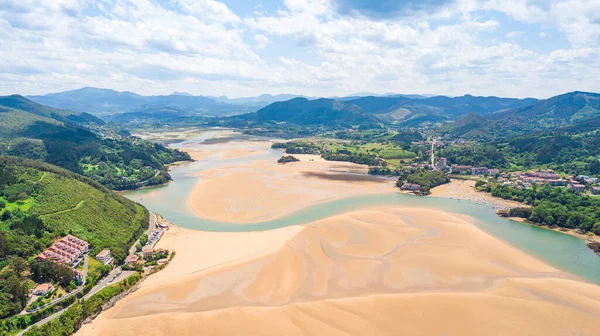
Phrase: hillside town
(70, 254)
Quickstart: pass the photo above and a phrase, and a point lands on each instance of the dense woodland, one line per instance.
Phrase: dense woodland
(39, 203)
(83, 144)
(426, 179)
(552, 206)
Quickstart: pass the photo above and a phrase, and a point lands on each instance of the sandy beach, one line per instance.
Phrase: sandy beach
(465, 190)
(381, 271)
(263, 190)
(390, 270)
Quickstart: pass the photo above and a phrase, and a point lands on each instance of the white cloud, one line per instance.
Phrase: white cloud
(204, 47)
(262, 41)
(514, 35)
(209, 9)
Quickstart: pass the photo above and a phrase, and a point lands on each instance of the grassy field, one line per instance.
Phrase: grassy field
(392, 154)
(23, 205)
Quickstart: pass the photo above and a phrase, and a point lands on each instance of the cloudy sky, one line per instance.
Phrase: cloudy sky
(518, 48)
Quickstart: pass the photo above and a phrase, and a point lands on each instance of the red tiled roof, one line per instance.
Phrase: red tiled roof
(43, 287)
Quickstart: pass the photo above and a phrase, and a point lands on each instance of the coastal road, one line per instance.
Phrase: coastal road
(43, 321)
(151, 226)
(106, 281)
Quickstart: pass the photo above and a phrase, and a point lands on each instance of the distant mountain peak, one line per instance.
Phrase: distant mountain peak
(177, 93)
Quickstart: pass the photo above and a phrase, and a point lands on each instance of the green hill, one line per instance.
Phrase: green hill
(554, 112)
(469, 126)
(411, 112)
(571, 111)
(327, 113)
(39, 203)
(79, 142)
(66, 203)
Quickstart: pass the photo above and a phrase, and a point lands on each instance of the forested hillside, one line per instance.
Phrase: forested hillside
(323, 113)
(570, 110)
(44, 201)
(79, 142)
(39, 203)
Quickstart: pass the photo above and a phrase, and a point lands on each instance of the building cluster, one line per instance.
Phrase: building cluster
(548, 177)
(69, 250)
(470, 170)
(148, 252)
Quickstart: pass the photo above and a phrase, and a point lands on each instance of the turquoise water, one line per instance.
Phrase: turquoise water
(563, 251)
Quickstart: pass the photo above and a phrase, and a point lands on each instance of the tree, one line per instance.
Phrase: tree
(5, 245)
(6, 215)
(19, 265)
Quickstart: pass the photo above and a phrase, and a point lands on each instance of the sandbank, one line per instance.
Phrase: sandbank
(377, 271)
(260, 190)
(228, 150)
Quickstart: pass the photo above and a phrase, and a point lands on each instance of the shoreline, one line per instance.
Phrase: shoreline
(380, 258)
(260, 190)
(466, 191)
(570, 232)
(360, 266)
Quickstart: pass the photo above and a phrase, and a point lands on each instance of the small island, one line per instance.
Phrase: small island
(287, 159)
(421, 182)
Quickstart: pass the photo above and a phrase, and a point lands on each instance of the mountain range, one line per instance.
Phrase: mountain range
(106, 102)
(464, 116)
(570, 111)
(178, 107)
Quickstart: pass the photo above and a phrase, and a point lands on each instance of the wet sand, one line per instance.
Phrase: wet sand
(465, 190)
(376, 271)
(229, 150)
(265, 190)
(379, 271)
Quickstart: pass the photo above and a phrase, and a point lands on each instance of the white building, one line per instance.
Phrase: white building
(105, 257)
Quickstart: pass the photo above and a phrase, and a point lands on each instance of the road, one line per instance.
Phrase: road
(79, 289)
(151, 226)
(43, 321)
(106, 281)
(432, 153)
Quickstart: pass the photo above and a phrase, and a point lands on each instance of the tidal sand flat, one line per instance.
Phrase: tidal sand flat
(378, 271)
(255, 191)
(465, 190)
(228, 150)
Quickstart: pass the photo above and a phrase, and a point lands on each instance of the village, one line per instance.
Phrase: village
(517, 179)
(72, 253)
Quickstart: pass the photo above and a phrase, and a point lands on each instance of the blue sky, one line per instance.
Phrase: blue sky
(517, 48)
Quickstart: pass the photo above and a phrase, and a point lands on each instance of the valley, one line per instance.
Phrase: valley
(299, 167)
(381, 250)
(305, 203)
